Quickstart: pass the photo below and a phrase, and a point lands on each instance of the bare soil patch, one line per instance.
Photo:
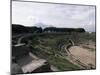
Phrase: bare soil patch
(84, 55)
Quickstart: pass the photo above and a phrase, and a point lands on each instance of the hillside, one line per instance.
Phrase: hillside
(61, 50)
(54, 49)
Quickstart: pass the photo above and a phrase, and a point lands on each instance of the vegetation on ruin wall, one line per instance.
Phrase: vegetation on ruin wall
(46, 46)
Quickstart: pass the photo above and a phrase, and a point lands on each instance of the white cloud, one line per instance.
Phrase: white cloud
(29, 13)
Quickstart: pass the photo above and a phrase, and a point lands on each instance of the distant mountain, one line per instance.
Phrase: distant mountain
(40, 28)
(42, 25)
(19, 29)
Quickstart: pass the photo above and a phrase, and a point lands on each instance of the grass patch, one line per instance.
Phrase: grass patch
(62, 63)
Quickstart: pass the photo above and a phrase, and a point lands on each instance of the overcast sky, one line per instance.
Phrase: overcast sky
(57, 15)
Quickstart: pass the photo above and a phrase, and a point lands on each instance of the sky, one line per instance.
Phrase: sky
(56, 15)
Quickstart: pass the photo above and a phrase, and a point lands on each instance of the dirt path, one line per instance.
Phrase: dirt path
(83, 55)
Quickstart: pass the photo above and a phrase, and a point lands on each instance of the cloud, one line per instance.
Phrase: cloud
(58, 15)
